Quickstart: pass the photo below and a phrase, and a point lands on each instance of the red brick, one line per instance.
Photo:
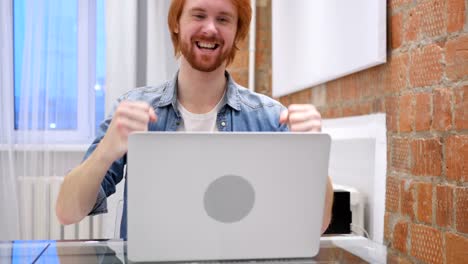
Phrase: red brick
(460, 108)
(301, 97)
(370, 82)
(405, 260)
(426, 66)
(426, 243)
(426, 157)
(423, 118)
(378, 105)
(333, 92)
(456, 249)
(244, 45)
(262, 58)
(442, 109)
(351, 110)
(400, 235)
(262, 43)
(461, 209)
(348, 257)
(424, 201)
(332, 112)
(396, 30)
(365, 108)
(427, 19)
(240, 76)
(318, 95)
(328, 254)
(285, 100)
(407, 198)
(391, 108)
(444, 205)
(433, 17)
(456, 155)
(455, 15)
(263, 82)
(263, 14)
(241, 61)
(412, 30)
(400, 154)
(394, 258)
(406, 113)
(393, 4)
(457, 58)
(389, 152)
(387, 227)
(349, 89)
(396, 73)
(392, 199)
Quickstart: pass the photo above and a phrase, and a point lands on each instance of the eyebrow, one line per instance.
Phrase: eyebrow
(196, 9)
(199, 9)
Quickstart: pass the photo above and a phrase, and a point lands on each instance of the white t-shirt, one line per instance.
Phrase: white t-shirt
(199, 122)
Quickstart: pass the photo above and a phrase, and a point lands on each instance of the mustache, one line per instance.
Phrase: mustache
(214, 39)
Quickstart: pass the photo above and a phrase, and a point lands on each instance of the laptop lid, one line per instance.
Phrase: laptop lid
(225, 196)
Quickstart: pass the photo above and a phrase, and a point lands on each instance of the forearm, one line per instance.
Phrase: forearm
(80, 187)
(328, 206)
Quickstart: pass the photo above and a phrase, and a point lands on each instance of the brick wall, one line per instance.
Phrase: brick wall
(423, 89)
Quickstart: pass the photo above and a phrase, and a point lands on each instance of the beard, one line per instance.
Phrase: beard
(204, 62)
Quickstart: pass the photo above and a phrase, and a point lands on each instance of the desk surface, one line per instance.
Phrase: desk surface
(333, 249)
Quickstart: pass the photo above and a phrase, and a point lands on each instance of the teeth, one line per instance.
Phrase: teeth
(206, 45)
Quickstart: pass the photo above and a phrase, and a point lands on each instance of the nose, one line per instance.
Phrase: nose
(209, 28)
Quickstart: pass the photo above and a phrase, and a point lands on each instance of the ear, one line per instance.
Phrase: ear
(176, 29)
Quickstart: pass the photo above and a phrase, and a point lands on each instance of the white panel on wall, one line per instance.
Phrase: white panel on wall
(315, 41)
(358, 159)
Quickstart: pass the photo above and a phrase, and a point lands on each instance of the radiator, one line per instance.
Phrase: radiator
(37, 198)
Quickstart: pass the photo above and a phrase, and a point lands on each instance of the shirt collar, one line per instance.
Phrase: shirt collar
(231, 98)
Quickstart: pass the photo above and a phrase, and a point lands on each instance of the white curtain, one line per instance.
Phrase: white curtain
(139, 49)
(138, 53)
(38, 141)
(9, 214)
(36, 124)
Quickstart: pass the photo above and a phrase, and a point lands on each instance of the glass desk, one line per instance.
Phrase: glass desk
(333, 249)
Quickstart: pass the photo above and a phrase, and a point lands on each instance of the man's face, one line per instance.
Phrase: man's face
(207, 29)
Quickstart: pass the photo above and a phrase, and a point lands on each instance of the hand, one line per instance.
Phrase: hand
(128, 117)
(302, 118)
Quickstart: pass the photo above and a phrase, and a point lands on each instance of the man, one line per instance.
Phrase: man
(201, 97)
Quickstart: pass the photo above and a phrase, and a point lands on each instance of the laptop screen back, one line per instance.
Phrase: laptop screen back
(225, 196)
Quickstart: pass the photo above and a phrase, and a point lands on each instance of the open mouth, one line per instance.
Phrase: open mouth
(206, 45)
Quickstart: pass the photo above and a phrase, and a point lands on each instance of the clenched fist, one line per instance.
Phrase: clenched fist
(129, 117)
(302, 118)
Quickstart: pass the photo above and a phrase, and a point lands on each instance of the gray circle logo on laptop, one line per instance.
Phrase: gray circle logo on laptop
(229, 199)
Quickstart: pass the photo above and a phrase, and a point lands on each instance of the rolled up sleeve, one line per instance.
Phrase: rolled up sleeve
(113, 175)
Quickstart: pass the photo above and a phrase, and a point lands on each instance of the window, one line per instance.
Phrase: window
(58, 72)
(100, 63)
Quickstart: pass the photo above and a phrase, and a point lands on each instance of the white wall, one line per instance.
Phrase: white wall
(321, 40)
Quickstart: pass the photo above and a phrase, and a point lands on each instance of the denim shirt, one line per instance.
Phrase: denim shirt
(241, 110)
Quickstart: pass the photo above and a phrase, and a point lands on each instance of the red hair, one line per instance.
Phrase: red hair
(244, 11)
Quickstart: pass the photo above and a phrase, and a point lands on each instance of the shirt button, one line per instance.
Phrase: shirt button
(177, 123)
(223, 124)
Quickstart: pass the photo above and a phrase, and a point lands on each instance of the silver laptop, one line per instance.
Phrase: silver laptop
(225, 196)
